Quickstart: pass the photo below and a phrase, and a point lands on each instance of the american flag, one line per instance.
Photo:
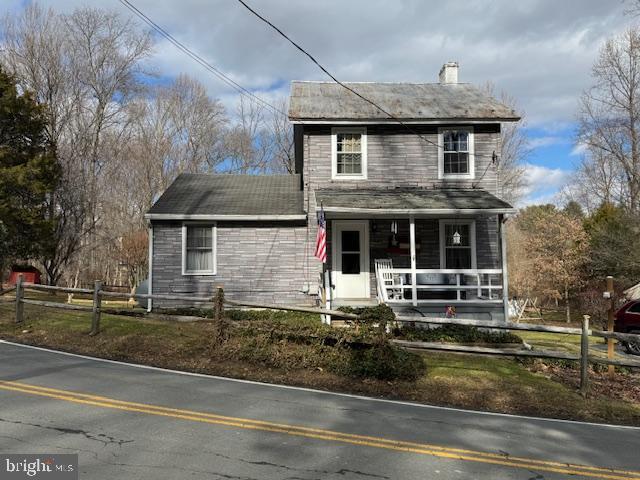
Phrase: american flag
(321, 238)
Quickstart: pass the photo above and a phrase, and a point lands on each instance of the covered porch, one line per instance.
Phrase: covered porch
(417, 258)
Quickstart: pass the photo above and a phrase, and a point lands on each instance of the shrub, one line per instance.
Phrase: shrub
(456, 334)
(289, 343)
(380, 314)
(186, 311)
(272, 315)
(383, 362)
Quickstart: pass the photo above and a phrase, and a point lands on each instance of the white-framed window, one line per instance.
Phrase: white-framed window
(458, 244)
(456, 159)
(199, 249)
(349, 153)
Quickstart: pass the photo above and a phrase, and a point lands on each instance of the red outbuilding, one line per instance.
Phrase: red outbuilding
(29, 274)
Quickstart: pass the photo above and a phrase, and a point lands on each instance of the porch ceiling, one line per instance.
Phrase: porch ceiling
(411, 201)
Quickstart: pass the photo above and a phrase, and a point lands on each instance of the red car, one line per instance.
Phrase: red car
(628, 321)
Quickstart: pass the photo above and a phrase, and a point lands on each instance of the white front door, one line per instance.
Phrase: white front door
(351, 258)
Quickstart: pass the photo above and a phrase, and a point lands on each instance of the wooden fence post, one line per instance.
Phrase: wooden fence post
(610, 320)
(19, 296)
(218, 304)
(584, 356)
(97, 300)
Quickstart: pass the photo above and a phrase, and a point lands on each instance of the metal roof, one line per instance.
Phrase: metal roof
(411, 200)
(209, 196)
(326, 101)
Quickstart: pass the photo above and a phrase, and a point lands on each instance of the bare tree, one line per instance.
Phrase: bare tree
(260, 139)
(282, 134)
(249, 145)
(84, 67)
(514, 150)
(609, 123)
(176, 128)
(596, 181)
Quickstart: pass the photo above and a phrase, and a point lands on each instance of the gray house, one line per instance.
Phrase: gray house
(413, 212)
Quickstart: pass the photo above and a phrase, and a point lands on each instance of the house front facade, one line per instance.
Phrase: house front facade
(406, 180)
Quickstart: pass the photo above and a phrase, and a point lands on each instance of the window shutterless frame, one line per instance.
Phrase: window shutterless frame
(470, 175)
(334, 153)
(214, 248)
(443, 243)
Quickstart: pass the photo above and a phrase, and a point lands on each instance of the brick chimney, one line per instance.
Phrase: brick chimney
(449, 73)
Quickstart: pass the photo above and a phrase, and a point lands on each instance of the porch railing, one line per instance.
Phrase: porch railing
(396, 285)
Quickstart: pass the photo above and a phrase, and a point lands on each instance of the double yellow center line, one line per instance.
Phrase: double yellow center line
(321, 434)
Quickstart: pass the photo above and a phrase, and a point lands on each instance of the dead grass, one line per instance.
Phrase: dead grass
(262, 353)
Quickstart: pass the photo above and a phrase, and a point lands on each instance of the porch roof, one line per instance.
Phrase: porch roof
(411, 201)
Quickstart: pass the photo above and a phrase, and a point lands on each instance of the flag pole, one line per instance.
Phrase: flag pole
(326, 281)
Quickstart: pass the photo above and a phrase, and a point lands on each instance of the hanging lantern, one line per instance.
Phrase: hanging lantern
(456, 238)
(394, 227)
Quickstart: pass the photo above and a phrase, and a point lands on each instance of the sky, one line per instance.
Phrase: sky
(540, 52)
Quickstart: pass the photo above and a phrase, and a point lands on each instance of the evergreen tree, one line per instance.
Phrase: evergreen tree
(28, 175)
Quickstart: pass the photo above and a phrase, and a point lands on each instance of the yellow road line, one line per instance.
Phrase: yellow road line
(313, 430)
(376, 442)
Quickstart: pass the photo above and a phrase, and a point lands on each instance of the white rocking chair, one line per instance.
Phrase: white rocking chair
(387, 280)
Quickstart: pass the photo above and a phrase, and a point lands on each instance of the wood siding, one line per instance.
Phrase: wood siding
(272, 261)
(263, 261)
(397, 157)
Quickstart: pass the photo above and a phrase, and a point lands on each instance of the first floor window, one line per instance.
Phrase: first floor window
(458, 245)
(199, 249)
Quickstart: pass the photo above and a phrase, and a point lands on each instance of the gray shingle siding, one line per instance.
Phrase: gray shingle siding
(272, 261)
(258, 261)
(397, 157)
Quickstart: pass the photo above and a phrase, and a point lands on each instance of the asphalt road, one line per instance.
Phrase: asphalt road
(128, 422)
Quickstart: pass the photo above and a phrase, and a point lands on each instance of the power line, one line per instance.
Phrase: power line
(194, 56)
(342, 84)
(245, 92)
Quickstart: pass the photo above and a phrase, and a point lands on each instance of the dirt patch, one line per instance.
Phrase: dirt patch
(623, 385)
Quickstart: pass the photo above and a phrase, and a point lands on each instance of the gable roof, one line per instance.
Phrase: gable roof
(194, 196)
(328, 101)
(411, 200)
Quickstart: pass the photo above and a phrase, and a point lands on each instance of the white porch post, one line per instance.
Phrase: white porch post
(505, 280)
(412, 241)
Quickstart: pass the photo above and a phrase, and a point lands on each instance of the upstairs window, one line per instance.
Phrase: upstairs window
(198, 250)
(455, 153)
(349, 153)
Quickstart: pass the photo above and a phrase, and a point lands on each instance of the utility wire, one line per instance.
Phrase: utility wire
(342, 84)
(194, 56)
(247, 93)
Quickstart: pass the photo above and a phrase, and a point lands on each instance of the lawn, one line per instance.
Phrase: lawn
(273, 347)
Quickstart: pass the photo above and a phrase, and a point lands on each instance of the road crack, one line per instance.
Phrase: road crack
(99, 437)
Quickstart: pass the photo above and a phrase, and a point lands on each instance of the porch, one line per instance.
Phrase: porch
(422, 260)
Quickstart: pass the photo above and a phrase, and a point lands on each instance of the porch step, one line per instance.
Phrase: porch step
(354, 302)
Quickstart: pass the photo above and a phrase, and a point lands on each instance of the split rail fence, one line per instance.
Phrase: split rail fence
(585, 332)
(218, 301)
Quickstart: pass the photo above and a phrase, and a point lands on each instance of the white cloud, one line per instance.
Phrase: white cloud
(542, 184)
(578, 150)
(540, 51)
(541, 142)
